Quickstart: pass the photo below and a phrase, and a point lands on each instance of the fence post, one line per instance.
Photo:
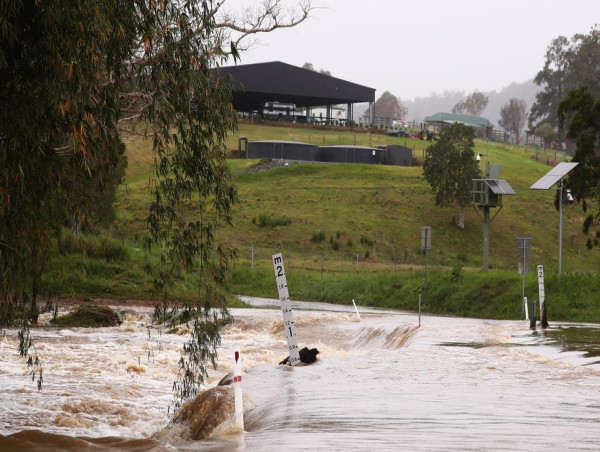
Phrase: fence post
(253, 256)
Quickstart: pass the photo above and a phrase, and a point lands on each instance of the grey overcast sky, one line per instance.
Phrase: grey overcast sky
(415, 48)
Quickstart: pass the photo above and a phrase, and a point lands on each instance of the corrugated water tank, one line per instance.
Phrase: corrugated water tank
(352, 154)
(399, 155)
(286, 150)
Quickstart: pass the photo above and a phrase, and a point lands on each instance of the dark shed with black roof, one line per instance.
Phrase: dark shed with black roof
(257, 84)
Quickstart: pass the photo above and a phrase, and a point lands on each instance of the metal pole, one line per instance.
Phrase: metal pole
(532, 319)
(419, 310)
(486, 237)
(523, 269)
(425, 284)
(560, 203)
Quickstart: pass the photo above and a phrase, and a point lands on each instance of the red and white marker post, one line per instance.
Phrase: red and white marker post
(237, 385)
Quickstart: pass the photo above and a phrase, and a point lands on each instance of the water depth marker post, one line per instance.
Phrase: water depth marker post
(237, 385)
(542, 294)
(286, 309)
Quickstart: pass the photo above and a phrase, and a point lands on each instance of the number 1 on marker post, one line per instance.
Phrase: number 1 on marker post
(286, 309)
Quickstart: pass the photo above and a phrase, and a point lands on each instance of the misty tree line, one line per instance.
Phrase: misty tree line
(567, 66)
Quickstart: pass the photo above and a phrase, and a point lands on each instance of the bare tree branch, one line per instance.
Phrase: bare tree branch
(232, 32)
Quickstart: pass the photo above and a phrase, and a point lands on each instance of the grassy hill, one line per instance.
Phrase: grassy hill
(322, 216)
(386, 206)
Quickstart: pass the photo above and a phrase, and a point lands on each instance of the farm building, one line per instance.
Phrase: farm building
(257, 85)
(437, 122)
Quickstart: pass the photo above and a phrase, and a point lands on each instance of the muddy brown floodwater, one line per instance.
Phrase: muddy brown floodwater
(379, 384)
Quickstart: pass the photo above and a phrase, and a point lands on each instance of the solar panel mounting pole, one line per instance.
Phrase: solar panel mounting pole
(486, 226)
(486, 237)
(560, 215)
(487, 193)
(553, 176)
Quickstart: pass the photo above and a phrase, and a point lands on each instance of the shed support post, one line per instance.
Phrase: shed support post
(349, 115)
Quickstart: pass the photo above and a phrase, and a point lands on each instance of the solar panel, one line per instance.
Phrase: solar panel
(499, 187)
(554, 175)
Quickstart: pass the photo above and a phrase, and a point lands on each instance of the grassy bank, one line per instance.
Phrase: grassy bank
(455, 291)
(326, 217)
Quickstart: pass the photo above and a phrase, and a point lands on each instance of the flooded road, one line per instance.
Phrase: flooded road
(380, 383)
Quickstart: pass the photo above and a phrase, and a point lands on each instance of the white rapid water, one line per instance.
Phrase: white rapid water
(379, 384)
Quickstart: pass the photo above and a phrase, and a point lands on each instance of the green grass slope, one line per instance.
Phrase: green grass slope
(326, 217)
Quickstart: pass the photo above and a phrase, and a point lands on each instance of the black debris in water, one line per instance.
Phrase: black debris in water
(307, 356)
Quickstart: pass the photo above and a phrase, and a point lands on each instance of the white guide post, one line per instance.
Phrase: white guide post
(237, 385)
(541, 290)
(526, 308)
(286, 309)
(356, 309)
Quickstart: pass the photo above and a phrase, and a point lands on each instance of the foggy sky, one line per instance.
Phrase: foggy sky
(417, 48)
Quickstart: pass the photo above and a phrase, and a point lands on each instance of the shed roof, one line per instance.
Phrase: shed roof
(257, 84)
(450, 118)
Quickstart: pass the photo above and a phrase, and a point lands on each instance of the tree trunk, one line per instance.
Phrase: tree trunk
(37, 264)
(461, 218)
